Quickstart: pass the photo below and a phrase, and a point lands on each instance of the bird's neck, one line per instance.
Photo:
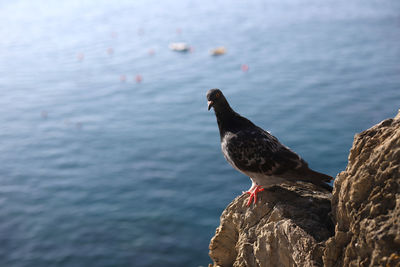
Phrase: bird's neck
(226, 118)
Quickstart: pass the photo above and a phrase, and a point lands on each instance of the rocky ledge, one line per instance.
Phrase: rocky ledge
(299, 225)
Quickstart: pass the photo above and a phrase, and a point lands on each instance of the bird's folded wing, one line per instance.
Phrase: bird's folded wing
(256, 150)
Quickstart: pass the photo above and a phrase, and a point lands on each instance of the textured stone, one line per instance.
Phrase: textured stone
(284, 228)
(366, 201)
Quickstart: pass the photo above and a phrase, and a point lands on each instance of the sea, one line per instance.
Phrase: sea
(108, 155)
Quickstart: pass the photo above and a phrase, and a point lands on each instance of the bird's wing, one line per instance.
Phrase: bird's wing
(255, 150)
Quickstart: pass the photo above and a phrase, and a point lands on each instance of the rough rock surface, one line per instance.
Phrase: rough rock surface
(290, 225)
(366, 201)
(284, 228)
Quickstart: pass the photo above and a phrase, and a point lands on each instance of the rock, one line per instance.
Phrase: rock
(366, 201)
(291, 224)
(285, 228)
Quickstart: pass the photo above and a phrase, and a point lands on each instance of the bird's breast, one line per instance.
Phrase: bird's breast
(225, 148)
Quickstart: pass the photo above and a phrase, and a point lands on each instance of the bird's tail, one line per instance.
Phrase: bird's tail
(317, 178)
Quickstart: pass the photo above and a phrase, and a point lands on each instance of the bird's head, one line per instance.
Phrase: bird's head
(215, 98)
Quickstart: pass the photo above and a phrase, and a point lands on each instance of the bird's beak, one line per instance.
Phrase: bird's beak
(210, 104)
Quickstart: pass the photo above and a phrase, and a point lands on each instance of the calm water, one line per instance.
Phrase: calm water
(98, 171)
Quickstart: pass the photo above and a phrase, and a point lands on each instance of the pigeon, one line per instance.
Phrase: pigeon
(258, 154)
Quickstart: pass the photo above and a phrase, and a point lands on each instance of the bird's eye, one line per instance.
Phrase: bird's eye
(217, 95)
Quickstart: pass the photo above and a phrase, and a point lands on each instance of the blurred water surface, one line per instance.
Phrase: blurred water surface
(99, 170)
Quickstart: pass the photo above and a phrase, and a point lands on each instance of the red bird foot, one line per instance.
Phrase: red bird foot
(253, 194)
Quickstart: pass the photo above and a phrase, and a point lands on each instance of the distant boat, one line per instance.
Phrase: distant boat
(180, 47)
(218, 51)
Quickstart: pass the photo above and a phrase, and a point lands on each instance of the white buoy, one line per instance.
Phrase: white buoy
(180, 47)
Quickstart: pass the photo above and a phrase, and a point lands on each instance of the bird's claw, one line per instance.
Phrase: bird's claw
(253, 194)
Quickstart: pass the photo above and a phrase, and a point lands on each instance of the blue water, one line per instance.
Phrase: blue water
(97, 171)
